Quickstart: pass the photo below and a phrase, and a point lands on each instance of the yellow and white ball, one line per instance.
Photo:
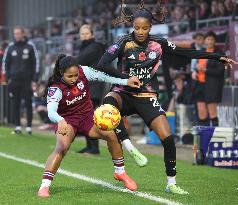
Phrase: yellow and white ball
(107, 117)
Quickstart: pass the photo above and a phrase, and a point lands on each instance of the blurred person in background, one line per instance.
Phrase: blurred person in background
(203, 10)
(214, 9)
(180, 95)
(90, 53)
(230, 6)
(21, 65)
(41, 107)
(209, 77)
(2, 74)
(198, 44)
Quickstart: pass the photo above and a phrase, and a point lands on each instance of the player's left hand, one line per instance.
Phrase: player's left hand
(228, 62)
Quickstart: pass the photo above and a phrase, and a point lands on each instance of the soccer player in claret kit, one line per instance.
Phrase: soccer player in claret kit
(69, 105)
(138, 55)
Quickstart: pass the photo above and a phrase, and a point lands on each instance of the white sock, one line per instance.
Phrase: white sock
(119, 170)
(128, 145)
(28, 129)
(45, 183)
(18, 128)
(171, 180)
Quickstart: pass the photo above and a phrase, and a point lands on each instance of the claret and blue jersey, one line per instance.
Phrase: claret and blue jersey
(69, 102)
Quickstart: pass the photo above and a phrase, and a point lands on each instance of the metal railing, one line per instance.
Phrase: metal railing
(215, 21)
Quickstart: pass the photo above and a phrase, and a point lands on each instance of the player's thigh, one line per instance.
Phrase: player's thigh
(148, 109)
(64, 141)
(117, 97)
(128, 104)
(161, 126)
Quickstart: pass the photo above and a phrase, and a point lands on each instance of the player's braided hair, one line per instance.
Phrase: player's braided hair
(62, 63)
(157, 16)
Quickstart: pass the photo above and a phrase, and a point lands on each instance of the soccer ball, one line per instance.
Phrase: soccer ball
(107, 117)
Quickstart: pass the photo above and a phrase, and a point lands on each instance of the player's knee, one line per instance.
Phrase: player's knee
(110, 100)
(169, 146)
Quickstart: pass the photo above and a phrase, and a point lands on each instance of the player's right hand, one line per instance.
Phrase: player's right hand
(134, 82)
(62, 127)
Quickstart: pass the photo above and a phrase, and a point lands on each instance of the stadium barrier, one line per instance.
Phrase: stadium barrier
(216, 146)
(185, 118)
(228, 109)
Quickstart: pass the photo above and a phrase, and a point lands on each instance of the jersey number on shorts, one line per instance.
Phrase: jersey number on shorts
(155, 102)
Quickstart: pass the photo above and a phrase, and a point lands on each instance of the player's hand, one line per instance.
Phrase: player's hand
(62, 127)
(228, 62)
(134, 82)
(194, 75)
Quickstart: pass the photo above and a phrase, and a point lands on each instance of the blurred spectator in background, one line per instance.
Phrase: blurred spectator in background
(214, 9)
(2, 74)
(230, 6)
(191, 13)
(179, 15)
(56, 30)
(21, 65)
(90, 53)
(41, 107)
(209, 86)
(198, 44)
(179, 91)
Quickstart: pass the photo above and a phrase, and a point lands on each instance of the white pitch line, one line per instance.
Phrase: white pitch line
(93, 180)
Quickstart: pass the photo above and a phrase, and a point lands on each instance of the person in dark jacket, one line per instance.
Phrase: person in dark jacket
(21, 66)
(210, 78)
(90, 53)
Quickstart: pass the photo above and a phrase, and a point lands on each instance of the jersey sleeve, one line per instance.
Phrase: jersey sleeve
(110, 55)
(170, 47)
(94, 75)
(53, 98)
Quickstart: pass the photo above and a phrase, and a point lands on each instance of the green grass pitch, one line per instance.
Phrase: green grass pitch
(19, 181)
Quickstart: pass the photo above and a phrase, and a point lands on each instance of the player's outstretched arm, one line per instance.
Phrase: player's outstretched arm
(94, 75)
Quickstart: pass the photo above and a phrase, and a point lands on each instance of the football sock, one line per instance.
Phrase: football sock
(169, 155)
(47, 179)
(128, 145)
(171, 180)
(28, 129)
(214, 121)
(18, 128)
(119, 165)
(121, 132)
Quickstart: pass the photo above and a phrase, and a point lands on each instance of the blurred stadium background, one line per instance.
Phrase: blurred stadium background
(53, 25)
